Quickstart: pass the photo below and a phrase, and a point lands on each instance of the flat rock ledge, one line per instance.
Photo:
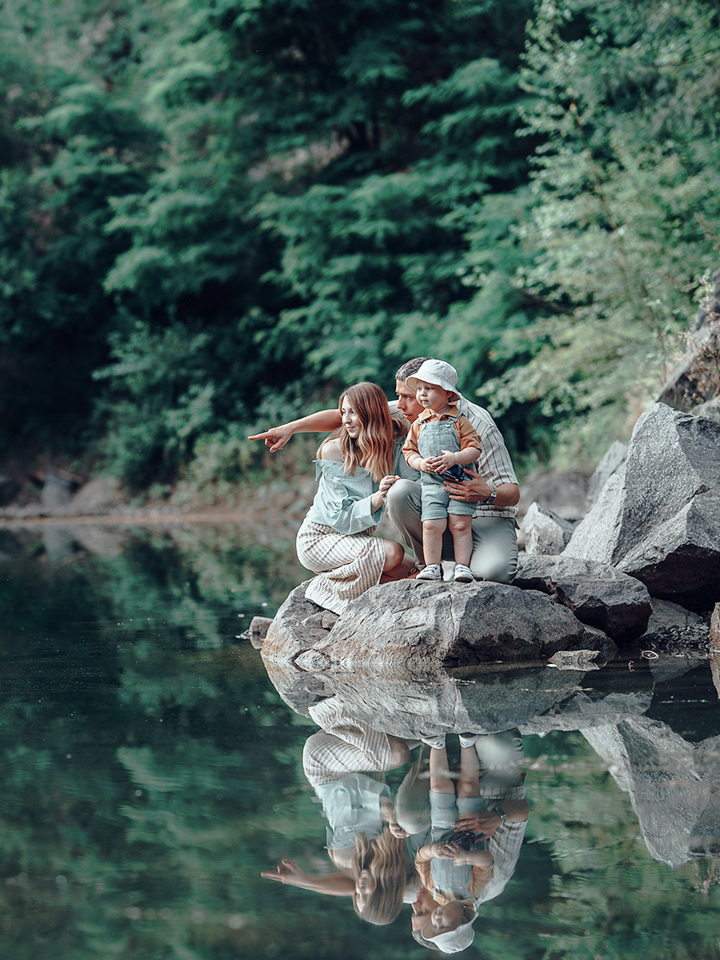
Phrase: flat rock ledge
(419, 628)
(598, 594)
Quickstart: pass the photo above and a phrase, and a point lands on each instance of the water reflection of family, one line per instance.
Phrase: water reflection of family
(368, 464)
(446, 844)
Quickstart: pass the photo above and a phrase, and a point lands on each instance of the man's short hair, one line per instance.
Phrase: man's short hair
(410, 367)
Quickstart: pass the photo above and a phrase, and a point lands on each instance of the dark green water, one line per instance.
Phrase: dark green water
(151, 771)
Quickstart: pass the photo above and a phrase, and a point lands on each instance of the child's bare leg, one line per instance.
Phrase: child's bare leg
(433, 531)
(461, 529)
(469, 782)
(440, 782)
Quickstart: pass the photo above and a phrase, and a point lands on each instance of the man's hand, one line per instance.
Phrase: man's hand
(275, 437)
(286, 872)
(473, 490)
(483, 823)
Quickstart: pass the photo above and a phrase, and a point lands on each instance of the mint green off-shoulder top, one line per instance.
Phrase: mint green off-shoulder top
(343, 499)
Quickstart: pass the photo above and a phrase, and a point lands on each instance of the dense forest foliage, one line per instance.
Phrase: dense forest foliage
(215, 213)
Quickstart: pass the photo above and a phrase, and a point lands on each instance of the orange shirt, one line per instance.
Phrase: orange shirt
(466, 433)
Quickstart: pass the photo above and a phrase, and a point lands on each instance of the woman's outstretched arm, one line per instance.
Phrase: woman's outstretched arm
(324, 421)
(332, 884)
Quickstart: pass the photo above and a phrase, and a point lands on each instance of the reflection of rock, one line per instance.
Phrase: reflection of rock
(673, 786)
(421, 626)
(493, 702)
(658, 517)
(587, 709)
(533, 698)
(597, 594)
(58, 542)
(103, 541)
(299, 690)
(715, 669)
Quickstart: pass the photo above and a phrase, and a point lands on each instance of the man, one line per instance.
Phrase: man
(493, 487)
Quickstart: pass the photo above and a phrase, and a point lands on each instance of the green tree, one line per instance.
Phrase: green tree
(627, 217)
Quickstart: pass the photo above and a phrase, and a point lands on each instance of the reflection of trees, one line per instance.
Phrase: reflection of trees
(586, 869)
(184, 780)
(139, 769)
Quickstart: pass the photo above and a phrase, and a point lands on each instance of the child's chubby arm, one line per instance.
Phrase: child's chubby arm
(427, 852)
(476, 858)
(424, 464)
(412, 454)
(448, 459)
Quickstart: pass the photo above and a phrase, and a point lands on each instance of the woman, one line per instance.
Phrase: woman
(355, 468)
(376, 877)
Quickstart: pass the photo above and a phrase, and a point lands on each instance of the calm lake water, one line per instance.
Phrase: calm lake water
(151, 770)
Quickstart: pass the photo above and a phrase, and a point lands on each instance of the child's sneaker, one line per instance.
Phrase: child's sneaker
(469, 739)
(436, 742)
(463, 574)
(432, 572)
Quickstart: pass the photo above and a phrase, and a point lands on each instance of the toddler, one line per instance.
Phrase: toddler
(439, 441)
(456, 865)
(446, 928)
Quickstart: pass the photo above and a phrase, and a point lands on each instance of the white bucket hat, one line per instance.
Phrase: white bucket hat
(455, 940)
(437, 372)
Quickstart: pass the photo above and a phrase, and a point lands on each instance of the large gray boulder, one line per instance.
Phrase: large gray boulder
(422, 627)
(658, 516)
(614, 457)
(546, 533)
(598, 594)
(57, 492)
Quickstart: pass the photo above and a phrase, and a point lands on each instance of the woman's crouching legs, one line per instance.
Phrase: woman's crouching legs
(398, 564)
(403, 508)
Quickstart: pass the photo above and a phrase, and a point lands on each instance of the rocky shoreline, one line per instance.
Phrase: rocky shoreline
(642, 567)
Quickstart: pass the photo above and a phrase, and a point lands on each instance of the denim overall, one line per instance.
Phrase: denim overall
(436, 436)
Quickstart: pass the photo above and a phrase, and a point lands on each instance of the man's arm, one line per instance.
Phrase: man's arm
(486, 823)
(321, 422)
(477, 490)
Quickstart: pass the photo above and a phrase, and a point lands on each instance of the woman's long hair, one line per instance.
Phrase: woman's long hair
(385, 858)
(373, 448)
